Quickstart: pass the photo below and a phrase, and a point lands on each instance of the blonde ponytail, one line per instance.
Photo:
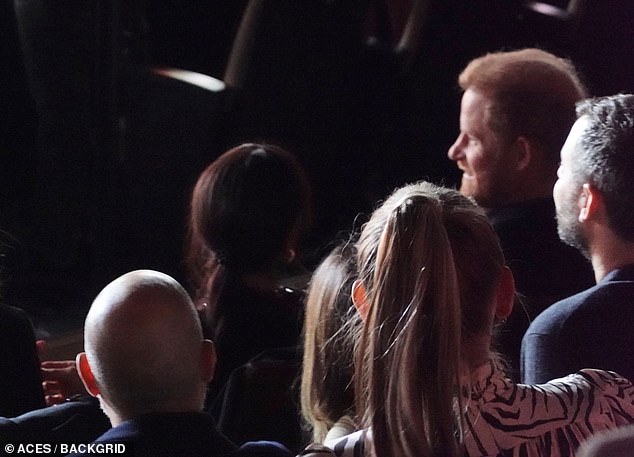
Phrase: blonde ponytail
(410, 364)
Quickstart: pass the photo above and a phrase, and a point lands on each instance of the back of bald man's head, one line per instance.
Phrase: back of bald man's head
(143, 340)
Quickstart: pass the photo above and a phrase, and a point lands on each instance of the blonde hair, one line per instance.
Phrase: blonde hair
(331, 327)
(533, 93)
(422, 257)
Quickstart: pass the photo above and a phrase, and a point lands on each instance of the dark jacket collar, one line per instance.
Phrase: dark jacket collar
(624, 273)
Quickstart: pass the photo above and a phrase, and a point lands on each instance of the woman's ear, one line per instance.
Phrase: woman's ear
(505, 295)
(86, 375)
(359, 299)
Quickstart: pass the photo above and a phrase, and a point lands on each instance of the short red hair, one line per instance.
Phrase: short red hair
(533, 94)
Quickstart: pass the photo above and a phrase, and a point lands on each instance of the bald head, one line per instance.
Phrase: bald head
(144, 346)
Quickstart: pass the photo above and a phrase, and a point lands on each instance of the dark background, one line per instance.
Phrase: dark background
(98, 155)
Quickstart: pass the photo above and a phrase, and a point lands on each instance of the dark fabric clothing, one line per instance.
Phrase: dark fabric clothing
(260, 400)
(79, 420)
(181, 434)
(592, 329)
(20, 379)
(253, 321)
(545, 269)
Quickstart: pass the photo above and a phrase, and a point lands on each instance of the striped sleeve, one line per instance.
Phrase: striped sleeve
(549, 419)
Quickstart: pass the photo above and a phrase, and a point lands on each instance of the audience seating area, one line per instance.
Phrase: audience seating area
(110, 113)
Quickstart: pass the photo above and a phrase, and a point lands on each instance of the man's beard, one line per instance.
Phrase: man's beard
(570, 229)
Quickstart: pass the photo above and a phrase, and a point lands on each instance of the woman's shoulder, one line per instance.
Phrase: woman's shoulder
(587, 387)
(560, 412)
(317, 450)
(597, 380)
(352, 445)
(490, 388)
(343, 427)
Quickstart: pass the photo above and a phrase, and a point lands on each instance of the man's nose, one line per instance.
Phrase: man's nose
(455, 151)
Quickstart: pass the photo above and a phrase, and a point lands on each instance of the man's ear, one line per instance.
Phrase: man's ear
(359, 299)
(86, 375)
(505, 295)
(208, 360)
(524, 152)
(590, 202)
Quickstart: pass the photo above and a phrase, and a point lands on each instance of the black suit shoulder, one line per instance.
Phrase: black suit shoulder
(20, 383)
